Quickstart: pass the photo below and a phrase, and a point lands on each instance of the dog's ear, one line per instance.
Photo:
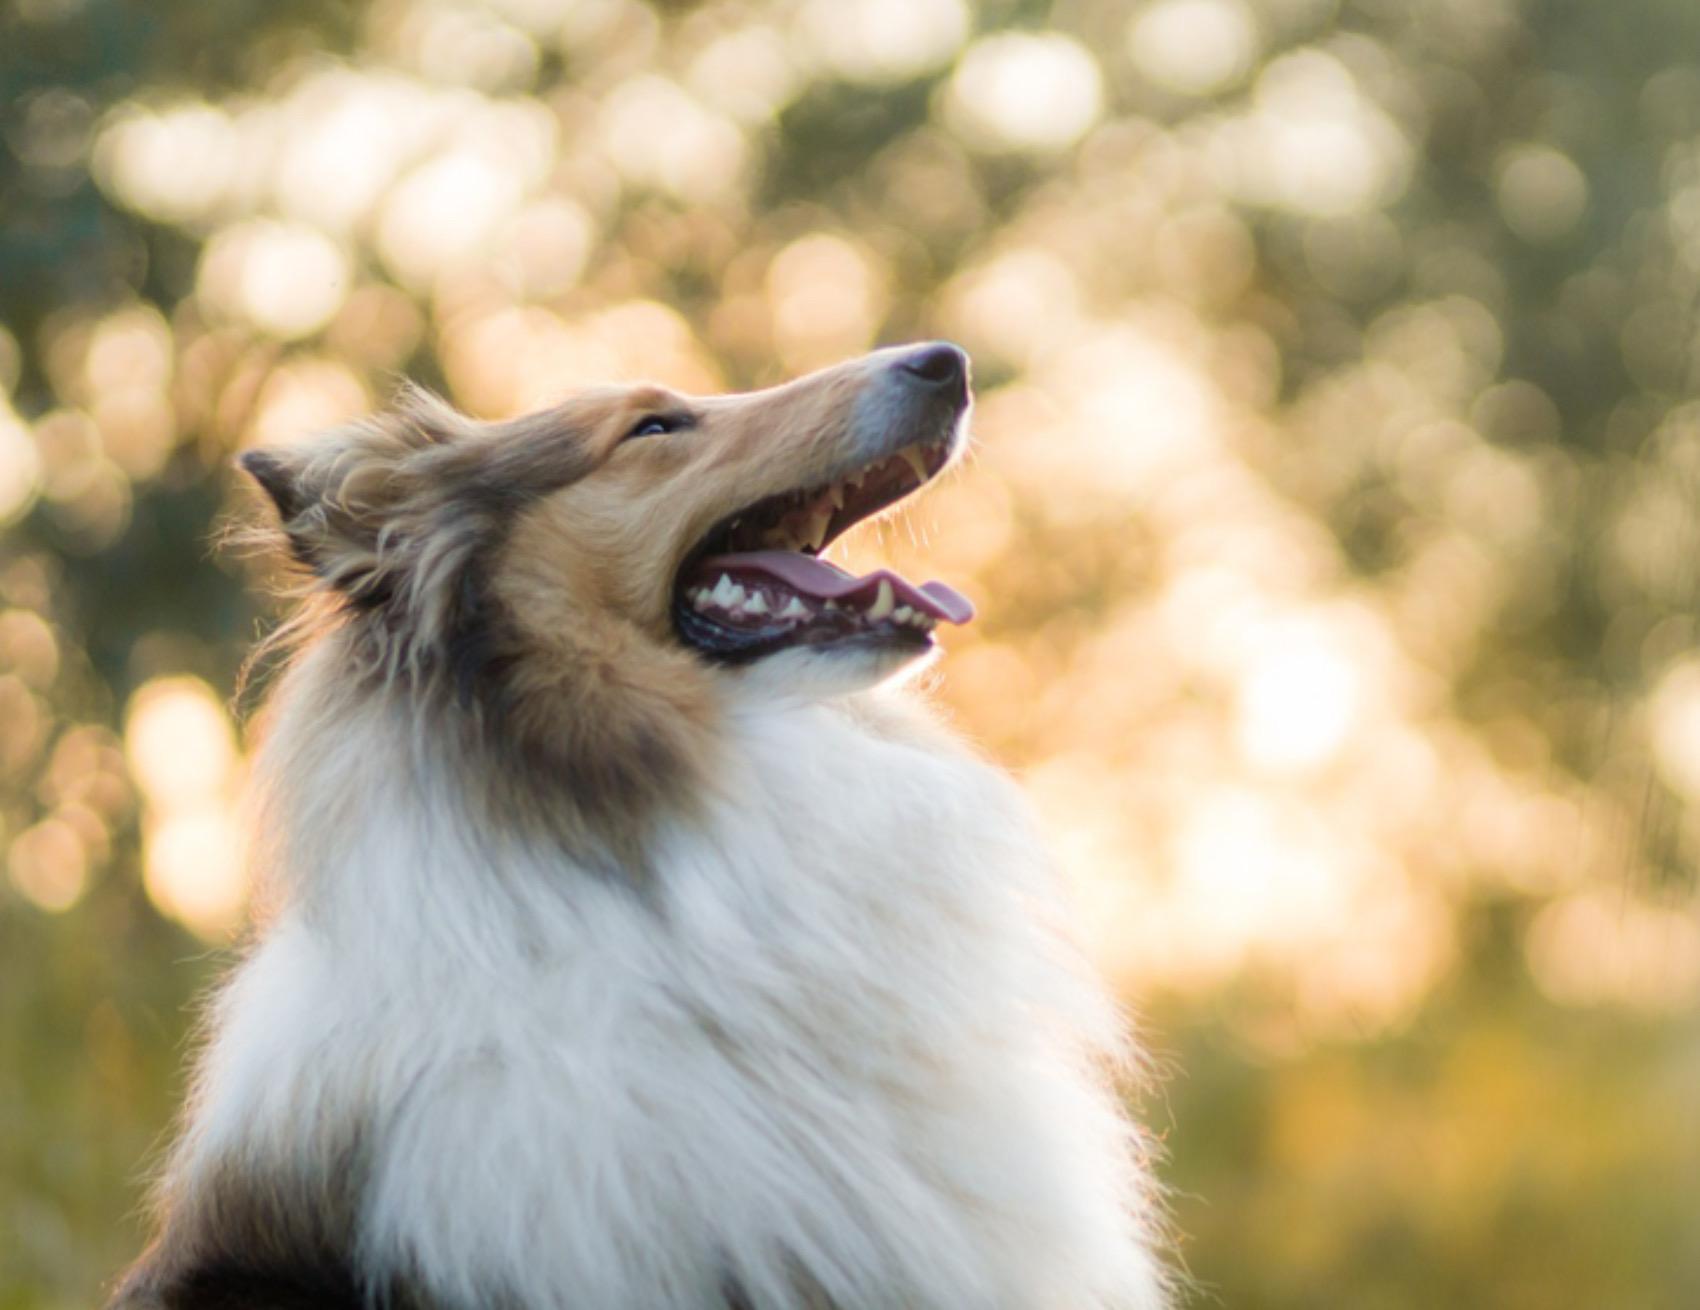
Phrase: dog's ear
(333, 502)
(357, 507)
(278, 478)
(389, 513)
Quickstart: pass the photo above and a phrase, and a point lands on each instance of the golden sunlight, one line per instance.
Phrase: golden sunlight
(1674, 724)
(20, 465)
(287, 280)
(658, 135)
(49, 865)
(183, 755)
(1194, 47)
(173, 165)
(1610, 948)
(827, 296)
(1299, 700)
(878, 41)
(1019, 92)
(1314, 142)
(179, 742)
(193, 869)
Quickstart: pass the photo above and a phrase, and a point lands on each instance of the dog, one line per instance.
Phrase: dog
(628, 937)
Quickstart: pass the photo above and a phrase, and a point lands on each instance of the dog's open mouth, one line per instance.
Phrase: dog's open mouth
(756, 584)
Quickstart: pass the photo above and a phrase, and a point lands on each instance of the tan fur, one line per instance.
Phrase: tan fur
(522, 572)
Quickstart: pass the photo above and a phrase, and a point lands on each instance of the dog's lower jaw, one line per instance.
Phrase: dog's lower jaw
(835, 671)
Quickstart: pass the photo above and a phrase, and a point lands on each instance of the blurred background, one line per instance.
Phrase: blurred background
(1334, 525)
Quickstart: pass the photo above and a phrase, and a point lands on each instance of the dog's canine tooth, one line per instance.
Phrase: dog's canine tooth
(915, 460)
(836, 493)
(723, 589)
(884, 602)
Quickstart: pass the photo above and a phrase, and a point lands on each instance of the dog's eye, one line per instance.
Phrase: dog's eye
(655, 425)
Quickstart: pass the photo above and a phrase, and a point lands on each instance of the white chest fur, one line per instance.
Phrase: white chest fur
(841, 1043)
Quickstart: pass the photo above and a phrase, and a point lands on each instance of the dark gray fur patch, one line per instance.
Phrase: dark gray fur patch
(537, 768)
(806, 1294)
(252, 1238)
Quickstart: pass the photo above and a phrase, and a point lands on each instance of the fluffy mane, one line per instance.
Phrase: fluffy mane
(596, 974)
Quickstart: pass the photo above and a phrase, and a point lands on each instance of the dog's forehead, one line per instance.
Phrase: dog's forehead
(621, 398)
(590, 419)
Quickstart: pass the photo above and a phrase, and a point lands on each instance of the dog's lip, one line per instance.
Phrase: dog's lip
(818, 515)
(823, 580)
(774, 545)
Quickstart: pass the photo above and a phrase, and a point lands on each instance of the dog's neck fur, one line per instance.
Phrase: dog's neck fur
(584, 746)
(836, 1053)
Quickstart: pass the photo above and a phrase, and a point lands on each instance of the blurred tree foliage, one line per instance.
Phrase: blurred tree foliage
(1335, 518)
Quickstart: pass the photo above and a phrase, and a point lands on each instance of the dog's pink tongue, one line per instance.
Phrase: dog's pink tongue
(823, 581)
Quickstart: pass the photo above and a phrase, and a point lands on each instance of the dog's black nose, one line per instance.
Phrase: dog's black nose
(938, 365)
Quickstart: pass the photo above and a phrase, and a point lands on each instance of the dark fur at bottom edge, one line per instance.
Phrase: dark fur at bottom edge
(231, 1285)
(250, 1239)
(252, 1236)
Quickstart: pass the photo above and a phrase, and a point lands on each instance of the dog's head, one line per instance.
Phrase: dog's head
(633, 517)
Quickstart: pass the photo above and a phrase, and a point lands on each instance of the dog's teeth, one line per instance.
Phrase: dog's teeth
(913, 458)
(830, 605)
(756, 604)
(884, 602)
(836, 492)
(795, 609)
(815, 534)
(902, 614)
(723, 590)
(702, 598)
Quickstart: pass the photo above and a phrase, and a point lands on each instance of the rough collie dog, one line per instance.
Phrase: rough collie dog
(626, 941)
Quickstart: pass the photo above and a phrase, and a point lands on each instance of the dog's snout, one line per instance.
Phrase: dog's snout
(938, 366)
